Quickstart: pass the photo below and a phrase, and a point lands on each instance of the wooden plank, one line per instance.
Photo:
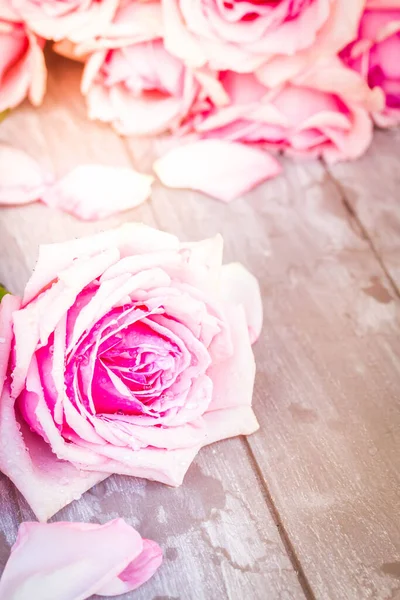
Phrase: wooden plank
(328, 386)
(219, 537)
(215, 532)
(371, 187)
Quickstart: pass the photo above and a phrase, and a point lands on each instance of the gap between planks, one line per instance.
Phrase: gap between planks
(352, 212)
(290, 550)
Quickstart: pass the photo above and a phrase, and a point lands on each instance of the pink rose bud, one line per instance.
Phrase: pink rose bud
(129, 353)
(77, 560)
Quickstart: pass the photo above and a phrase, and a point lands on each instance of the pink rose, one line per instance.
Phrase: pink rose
(141, 89)
(322, 113)
(284, 35)
(22, 67)
(376, 55)
(129, 353)
(131, 80)
(77, 560)
(76, 20)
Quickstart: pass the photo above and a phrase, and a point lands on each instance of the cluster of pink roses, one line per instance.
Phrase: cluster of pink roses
(301, 76)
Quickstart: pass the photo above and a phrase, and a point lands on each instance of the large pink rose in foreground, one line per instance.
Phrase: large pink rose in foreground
(322, 113)
(22, 67)
(242, 36)
(129, 353)
(76, 20)
(376, 55)
(77, 560)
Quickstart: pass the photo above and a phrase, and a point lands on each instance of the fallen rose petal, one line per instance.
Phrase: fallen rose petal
(22, 180)
(140, 570)
(92, 192)
(239, 286)
(224, 170)
(72, 561)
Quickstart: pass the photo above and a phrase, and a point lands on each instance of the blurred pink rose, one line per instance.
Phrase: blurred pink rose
(285, 35)
(322, 113)
(376, 55)
(76, 20)
(141, 89)
(22, 67)
(131, 351)
(77, 560)
(131, 80)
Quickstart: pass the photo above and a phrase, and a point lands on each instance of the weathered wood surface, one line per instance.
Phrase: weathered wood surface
(308, 506)
(371, 188)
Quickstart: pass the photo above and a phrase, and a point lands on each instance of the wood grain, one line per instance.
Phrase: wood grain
(308, 506)
(328, 386)
(218, 535)
(371, 187)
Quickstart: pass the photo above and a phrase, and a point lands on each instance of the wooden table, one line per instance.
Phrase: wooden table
(309, 506)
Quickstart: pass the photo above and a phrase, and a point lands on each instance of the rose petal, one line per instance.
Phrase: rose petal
(22, 180)
(137, 572)
(239, 286)
(95, 191)
(8, 305)
(77, 560)
(339, 29)
(221, 169)
(233, 380)
(75, 24)
(130, 239)
(47, 483)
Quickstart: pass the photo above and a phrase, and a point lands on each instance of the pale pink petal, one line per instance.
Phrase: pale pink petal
(130, 239)
(76, 560)
(47, 483)
(333, 77)
(339, 29)
(95, 191)
(38, 71)
(239, 286)
(140, 570)
(351, 145)
(233, 380)
(212, 87)
(230, 415)
(8, 305)
(133, 23)
(166, 466)
(7, 12)
(221, 169)
(22, 180)
(76, 25)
